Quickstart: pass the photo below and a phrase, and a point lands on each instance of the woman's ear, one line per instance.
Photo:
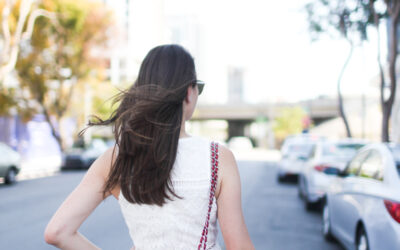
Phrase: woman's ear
(189, 94)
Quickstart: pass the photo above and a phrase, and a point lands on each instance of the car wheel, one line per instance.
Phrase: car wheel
(362, 240)
(11, 176)
(326, 223)
(299, 192)
(281, 178)
(300, 187)
(307, 203)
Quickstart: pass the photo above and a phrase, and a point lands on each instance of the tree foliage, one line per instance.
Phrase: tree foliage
(351, 19)
(290, 121)
(341, 18)
(60, 55)
(17, 21)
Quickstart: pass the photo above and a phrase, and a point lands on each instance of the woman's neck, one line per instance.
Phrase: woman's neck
(183, 130)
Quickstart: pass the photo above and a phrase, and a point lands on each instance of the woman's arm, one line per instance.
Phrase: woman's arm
(62, 230)
(230, 215)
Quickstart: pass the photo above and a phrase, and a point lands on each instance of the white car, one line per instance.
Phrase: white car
(327, 159)
(295, 152)
(362, 208)
(240, 143)
(9, 164)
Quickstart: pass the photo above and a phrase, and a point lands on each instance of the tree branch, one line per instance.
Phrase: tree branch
(6, 30)
(20, 35)
(24, 10)
(389, 7)
(396, 9)
(12, 58)
(381, 72)
(339, 89)
(32, 18)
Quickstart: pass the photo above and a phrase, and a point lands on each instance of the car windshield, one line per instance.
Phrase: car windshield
(299, 149)
(345, 150)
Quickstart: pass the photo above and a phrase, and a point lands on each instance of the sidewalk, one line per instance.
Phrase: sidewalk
(39, 168)
(27, 175)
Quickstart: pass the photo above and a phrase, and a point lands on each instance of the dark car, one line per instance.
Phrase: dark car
(81, 157)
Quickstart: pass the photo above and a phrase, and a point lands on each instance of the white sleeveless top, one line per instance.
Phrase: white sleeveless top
(178, 224)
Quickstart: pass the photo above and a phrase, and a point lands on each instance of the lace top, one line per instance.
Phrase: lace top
(178, 224)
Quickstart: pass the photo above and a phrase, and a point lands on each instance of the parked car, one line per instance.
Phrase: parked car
(82, 157)
(295, 152)
(110, 143)
(240, 142)
(362, 208)
(326, 160)
(9, 164)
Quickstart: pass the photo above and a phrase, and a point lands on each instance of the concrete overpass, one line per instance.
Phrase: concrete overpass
(238, 115)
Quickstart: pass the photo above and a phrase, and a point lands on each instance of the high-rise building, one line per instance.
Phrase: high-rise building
(144, 24)
(140, 26)
(235, 84)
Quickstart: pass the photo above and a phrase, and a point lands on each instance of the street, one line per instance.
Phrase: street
(274, 214)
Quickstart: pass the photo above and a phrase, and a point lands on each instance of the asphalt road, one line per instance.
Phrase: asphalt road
(274, 214)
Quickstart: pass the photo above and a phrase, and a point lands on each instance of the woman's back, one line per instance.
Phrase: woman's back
(178, 224)
(152, 164)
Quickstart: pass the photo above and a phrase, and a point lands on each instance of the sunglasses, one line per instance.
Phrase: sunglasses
(200, 86)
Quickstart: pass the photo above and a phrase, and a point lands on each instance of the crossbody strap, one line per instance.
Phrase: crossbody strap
(214, 178)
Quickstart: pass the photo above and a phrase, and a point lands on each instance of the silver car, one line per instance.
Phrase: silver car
(9, 164)
(327, 159)
(362, 208)
(295, 152)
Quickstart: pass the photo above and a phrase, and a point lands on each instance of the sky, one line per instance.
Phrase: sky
(269, 40)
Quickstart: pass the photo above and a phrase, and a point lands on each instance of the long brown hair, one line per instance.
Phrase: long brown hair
(147, 125)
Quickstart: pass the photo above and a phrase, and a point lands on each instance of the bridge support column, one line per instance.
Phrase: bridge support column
(236, 128)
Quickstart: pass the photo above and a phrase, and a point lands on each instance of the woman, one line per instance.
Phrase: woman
(160, 175)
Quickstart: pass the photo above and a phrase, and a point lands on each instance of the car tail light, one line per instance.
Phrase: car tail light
(320, 168)
(393, 209)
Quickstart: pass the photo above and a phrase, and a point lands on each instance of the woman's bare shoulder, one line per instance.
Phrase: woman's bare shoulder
(227, 168)
(224, 149)
(107, 160)
(226, 157)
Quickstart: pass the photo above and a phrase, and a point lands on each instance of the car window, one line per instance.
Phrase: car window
(355, 164)
(300, 149)
(372, 167)
(343, 150)
(395, 149)
(313, 151)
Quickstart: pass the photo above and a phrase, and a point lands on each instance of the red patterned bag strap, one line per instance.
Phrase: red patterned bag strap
(214, 178)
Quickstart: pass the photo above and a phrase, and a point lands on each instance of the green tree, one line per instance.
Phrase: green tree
(340, 20)
(62, 55)
(290, 121)
(17, 19)
(350, 18)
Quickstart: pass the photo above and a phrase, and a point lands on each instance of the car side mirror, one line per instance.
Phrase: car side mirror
(303, 158)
